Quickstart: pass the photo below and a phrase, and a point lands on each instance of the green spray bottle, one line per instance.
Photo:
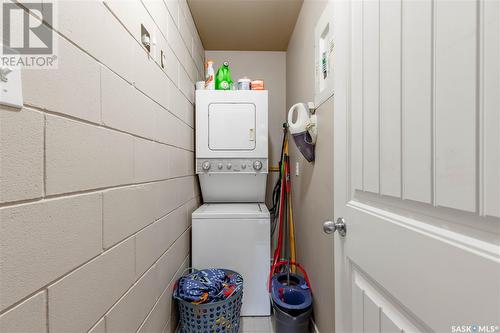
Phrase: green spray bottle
(223, 78)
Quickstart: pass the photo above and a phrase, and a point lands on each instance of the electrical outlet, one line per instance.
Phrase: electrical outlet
(11, 90)
(145, 38)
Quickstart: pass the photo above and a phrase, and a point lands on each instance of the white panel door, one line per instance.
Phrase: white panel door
(417, 165)
(231, 126)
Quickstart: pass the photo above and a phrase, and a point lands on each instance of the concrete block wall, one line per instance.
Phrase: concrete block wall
(97, 179)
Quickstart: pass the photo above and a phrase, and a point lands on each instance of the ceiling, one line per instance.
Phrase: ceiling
(245, 25)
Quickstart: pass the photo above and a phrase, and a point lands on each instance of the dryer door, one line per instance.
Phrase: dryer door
(231, 126)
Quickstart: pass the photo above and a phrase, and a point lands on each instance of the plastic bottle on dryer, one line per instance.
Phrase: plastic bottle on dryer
(223, 78)
(210, 75)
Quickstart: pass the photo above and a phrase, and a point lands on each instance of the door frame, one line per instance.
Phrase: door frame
(341, 31)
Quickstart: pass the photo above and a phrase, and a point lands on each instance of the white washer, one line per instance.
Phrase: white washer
(236, 236)
(232, 145)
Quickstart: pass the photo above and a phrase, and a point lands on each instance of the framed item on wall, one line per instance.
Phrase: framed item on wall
(323, 56)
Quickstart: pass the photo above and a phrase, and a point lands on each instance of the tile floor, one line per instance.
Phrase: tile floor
(256, 325)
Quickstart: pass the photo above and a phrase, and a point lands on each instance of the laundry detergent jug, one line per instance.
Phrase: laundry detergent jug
(303, 129)
(223, 78)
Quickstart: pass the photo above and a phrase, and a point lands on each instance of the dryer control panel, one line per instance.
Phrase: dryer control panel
(226, 165)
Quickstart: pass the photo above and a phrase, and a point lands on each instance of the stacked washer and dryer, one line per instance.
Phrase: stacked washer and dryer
(232, 228)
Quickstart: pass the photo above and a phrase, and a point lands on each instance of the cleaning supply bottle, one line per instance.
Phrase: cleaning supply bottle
(209, 76)
(223, 78)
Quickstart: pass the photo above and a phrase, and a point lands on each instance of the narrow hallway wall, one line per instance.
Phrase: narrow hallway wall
(313, 188)
(270, 67)
(97, 173)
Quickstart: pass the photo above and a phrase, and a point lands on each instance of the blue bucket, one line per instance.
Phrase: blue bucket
(291, 293)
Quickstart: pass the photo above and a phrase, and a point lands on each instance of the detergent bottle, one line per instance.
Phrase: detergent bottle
(223, 78)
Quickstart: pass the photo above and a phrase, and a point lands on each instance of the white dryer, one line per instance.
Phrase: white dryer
(232, 145)
(236, 236)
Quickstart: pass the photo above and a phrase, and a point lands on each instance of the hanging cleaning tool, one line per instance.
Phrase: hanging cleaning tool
(290, 293)
(290, 254)
(277, 251)
(304, 128)
(223, 78)
(278, 199)
(285, 248)
(276, 196)
(282, 202)
(292, 230)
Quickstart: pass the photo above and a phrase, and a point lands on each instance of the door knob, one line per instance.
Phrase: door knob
(330, 226)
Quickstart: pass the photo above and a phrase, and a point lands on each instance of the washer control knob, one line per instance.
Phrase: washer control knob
(229, 166)
(257, 165)
(206, 165)
(219, 166)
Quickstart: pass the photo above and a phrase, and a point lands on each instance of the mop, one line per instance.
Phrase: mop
(284, 283)
(285, 249)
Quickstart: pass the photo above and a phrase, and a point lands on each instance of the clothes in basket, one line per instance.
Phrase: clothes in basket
(207, 285)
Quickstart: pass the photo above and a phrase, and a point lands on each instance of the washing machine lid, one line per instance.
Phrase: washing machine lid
(231, 211)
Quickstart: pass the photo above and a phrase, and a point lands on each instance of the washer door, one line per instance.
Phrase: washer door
(241, 245)
(231, 126)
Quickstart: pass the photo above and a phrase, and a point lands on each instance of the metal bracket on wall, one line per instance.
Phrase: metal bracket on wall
(311, 107)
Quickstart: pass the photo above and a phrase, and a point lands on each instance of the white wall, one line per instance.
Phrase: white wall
(271, 67)
(313, 189)
(97, 181)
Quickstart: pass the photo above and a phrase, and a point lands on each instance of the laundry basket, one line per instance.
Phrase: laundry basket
(216, 317)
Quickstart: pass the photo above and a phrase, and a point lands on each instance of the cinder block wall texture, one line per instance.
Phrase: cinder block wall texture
(97, 179)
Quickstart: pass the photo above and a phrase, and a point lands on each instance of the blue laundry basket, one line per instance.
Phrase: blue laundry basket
(216, 317)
